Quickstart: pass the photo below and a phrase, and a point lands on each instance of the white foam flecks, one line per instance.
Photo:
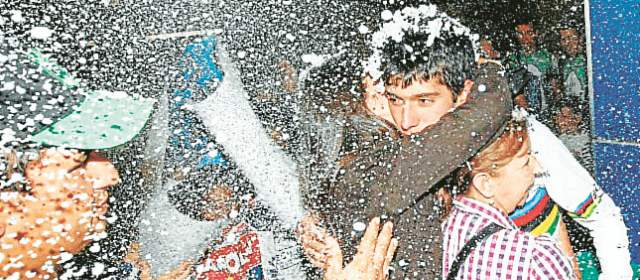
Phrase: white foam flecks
(41, 32)
(276, 182)
(98, 269)
(162, 233)
(3, 59)
(15, 178)
(64, 256)
(359, 226)
(16, 16)
(110, 94)
(8, 86)
(112, 219)
(7, 135)
(519, 114)
(72, 273)
(14, 276)
(290, 37)
(482, 88)
(314, 59)
(363, 29)
(424, 18)
(94, 248)
(46, 121)
(386, 15)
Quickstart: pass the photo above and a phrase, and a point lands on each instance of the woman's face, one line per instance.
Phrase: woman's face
(512, 181)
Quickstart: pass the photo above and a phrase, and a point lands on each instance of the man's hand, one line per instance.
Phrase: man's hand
(372, 259)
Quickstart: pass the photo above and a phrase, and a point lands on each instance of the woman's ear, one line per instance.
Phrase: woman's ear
(482, 183)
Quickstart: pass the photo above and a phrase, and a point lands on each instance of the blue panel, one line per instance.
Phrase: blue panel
(618, 172)
(615, 34)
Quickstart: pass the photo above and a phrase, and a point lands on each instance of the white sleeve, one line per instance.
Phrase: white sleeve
(610, 239)
(229, 116)
(571, 186)
(568, 183)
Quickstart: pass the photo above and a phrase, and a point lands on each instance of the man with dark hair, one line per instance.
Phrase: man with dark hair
(391, 169)
(420, 82)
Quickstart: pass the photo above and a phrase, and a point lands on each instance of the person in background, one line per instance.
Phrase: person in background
(573, 63)
(489, 53)
(571, 123)
(538, 62)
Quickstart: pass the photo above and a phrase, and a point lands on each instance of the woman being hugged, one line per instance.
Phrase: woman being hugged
(479, 239)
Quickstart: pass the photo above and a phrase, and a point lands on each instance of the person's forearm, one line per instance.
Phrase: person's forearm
(610, 239)
(565, 246)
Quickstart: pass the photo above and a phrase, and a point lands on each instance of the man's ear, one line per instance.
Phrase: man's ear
(466, 90)
(482, 183)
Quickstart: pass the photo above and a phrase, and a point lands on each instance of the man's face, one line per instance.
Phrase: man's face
(567, 121)
(488, 49)
(67, 203)
(569, 41)
(421, 104)
(526, 35)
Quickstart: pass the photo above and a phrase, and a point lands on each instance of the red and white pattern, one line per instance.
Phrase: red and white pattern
(508, 254)
(237, 258)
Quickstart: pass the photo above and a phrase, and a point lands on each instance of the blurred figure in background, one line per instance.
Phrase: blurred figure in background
(539, 63)
(489, 53)
(571, 122)
(573, 63)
